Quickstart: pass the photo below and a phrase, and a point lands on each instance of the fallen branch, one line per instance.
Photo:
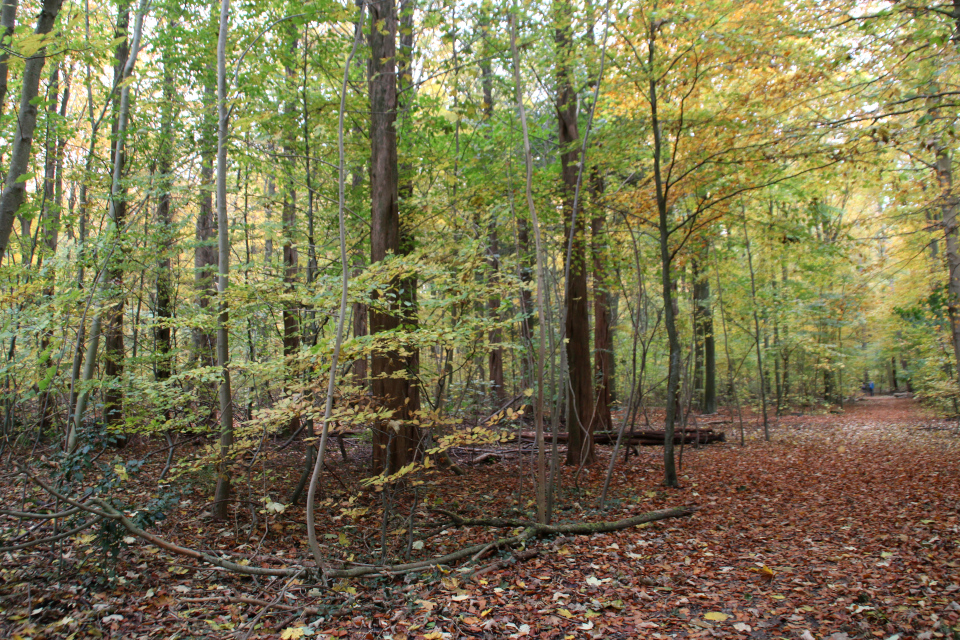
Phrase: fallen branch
(520, 556)
(581, 528)
(60, 536)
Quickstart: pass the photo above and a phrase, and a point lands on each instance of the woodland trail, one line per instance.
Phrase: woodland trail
(844, 526)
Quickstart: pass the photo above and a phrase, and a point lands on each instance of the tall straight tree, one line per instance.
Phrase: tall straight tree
(577, 317)
(291, 267)
(113, 343)
(205, 256)
(495, 360)
(15, 189)
(394, 440)
(222, 494)
(165, 222)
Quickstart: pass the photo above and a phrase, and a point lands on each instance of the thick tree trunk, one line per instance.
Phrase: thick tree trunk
(8, 22)
(705, 378)
(14, 189)
(948, 210)
(394, 440)
(525, 269)
(577, 324)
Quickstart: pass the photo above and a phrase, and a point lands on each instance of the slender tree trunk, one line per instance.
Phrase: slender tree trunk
(409, 305)
(670, 319)
(113, 228)
(222, 494)
(14, 189)
(50, 217)
(164, 304)
(291, 267)
(761, 377)
(541, 469)
(205, 256)
(113, 343)
(495, 360)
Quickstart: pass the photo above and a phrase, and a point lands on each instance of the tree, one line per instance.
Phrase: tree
(576, 312)
(14, 187)
(394, 440)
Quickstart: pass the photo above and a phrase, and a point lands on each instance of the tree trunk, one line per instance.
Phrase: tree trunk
(14, 189)
(409, 306)
(8, 22)
(526, 301)
(113, 343)
(164, 305)
(666, 258)
(602, 330)
(948, 210)
(756, 327)
(205, 256)
(50, 217)
(495, 360)
(394, 440)
(706, 345)
(577, 323)
(222, 493)
(291, 315)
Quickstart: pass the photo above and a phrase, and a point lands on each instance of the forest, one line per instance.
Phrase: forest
(462, 318)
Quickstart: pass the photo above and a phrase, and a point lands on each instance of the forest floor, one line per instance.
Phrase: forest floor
(843, 526)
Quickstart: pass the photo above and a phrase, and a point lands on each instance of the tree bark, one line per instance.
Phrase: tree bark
(948, 210)
(205, 256)
(291, 315)
(222, 493)
(394, 440)
(113, 343)
(8, 22)
(14, 189)
(495, 359)
(666, 259)
(602, 316)
(705, 378)
(577, 317)
(164, 304)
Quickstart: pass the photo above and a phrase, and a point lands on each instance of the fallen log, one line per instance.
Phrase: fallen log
(646, 437)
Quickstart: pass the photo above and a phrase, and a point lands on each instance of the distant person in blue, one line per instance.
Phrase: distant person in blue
(871, 387)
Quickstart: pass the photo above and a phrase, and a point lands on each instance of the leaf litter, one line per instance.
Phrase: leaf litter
(844, 527)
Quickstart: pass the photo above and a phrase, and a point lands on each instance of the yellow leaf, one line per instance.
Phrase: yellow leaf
(716, 616)
(565, 613)
(433, 635)
(291, 633)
